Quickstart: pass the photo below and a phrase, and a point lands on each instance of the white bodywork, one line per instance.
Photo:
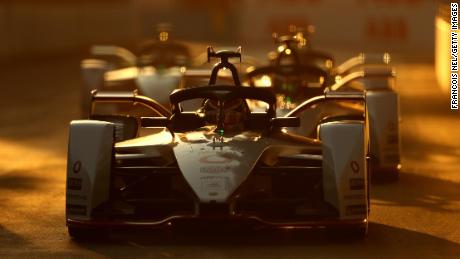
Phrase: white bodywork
(344, 167)
(100, 75)
(215, 167)
(383, 114)
(158, 84)
(382, 108)
(88, 166)
(151, 82)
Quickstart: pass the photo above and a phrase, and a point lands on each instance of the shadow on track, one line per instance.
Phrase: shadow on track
(430, 193)
(18, 180)
(8, 239)
(267, 243)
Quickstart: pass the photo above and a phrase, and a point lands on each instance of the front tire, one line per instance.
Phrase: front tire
(348, 233)
(387, 175)
(358, 233)
(78, 233)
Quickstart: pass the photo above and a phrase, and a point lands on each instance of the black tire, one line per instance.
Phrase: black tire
(384, 176)
(348, 233)
(85, 233)
(358, 233)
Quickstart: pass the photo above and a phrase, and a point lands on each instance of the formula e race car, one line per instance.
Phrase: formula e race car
(297, 73)
(159, 68)
(223, 161)
(155, 70)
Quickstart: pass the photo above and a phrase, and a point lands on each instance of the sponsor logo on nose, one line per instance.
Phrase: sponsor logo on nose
(76, 167)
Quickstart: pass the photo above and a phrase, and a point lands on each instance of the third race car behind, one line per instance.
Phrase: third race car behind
(297, 73)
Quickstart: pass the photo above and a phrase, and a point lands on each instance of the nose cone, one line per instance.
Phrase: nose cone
(214, 166)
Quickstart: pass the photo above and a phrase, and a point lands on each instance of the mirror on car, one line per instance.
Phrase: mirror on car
(285, 122)
(154, 122)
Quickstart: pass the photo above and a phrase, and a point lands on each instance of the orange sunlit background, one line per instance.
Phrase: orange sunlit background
(403, 27)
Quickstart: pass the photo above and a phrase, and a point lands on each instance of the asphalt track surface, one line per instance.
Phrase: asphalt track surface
(416, 217)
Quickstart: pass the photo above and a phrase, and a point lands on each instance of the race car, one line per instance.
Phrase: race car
(304, 53)
(297, 73)
(159, 68)
(155, 70)
(220, 162)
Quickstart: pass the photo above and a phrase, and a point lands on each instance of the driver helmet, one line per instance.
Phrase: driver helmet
(234, 113)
